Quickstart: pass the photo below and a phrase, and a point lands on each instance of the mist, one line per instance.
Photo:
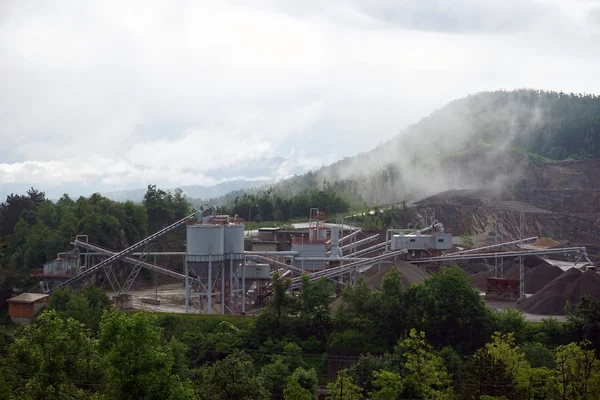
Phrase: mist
(468, 144)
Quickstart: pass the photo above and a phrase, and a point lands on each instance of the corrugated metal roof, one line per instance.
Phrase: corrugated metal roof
(28, 298)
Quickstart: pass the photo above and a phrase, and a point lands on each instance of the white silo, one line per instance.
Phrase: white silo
(205, 245)
(205, 242)
(234, 242)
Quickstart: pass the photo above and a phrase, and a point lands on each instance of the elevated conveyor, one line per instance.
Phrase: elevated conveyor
(152, 267)
(117, 256)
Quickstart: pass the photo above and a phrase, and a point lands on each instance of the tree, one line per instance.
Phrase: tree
(362, 371)
(307, 379)
(450, 310)
(389, 385)
(343, 388)
(274, 320)
(315, 298)
(511, 321)
(293, 391)
(138, 364)
(424, 374)
(86, 307)
(585, 321)
(578, 372)
(53, 359)
(231, 378)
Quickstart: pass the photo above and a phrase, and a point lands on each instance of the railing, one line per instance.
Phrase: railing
(39, 272)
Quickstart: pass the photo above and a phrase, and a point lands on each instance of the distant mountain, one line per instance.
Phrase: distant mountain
(489, 141)
(195, 193)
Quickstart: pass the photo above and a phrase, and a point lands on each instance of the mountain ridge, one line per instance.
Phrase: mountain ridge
(488, 140)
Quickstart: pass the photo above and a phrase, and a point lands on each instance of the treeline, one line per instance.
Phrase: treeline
(269, 206)
(436, 340)
(33, 229)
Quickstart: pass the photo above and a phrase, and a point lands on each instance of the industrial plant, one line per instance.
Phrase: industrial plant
(228, 270)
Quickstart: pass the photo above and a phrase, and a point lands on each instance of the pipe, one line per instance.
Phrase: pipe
(271, 253)
(335, 259)
(350, 236)
(362, 241)
(371, 249)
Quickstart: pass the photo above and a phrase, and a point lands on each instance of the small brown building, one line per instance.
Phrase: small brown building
(23, 307)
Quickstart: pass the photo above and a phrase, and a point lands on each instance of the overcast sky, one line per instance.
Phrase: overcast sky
(106, 95)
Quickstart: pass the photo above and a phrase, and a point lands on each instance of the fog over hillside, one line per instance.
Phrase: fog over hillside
(484, 141)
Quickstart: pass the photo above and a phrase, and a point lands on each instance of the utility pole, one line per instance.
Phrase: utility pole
(250, 216)
(521, 269)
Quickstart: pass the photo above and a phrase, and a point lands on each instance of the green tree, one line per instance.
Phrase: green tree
(578, 372)
(274, 320)
(343, 388)
(424, 375)
(362, 371)
(450, 310)
(585, 321)
(53, 359)
(293, 391)
(86, 307)
(138, 364)
(231, 378)
(389, 385)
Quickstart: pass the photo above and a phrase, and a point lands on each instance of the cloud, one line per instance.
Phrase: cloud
(114, 95)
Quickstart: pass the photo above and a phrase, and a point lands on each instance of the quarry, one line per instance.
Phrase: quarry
(531, 248)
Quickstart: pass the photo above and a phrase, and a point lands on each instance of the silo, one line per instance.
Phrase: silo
(234, 252)
(204, 258)
(234, 242)
(205, 242)
(335, 242)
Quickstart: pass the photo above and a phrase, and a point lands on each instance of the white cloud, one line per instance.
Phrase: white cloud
(121, 94)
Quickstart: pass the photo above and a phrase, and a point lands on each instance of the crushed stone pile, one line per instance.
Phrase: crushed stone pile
(545, 242)
(479, 280)
(569, 286)
(540, 276)
(410, 274)
(514, 271)
(473, 267)
(535, 278)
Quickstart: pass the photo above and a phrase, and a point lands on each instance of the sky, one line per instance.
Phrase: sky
(113, 95)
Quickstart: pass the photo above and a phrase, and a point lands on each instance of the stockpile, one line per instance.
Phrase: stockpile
(514, 271)
(535, 278)
(540, 276)
(473, 267)
(569, 286)
(545, 242)
(410, 274)
(479, 280)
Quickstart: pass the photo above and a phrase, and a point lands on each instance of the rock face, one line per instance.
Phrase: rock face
(559, 200)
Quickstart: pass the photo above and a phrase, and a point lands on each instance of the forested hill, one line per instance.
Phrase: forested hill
(484, 140)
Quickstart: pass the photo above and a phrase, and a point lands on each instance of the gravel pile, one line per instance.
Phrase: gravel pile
(410, 274)
(569, 286)
(540, 276)
(479, 280)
